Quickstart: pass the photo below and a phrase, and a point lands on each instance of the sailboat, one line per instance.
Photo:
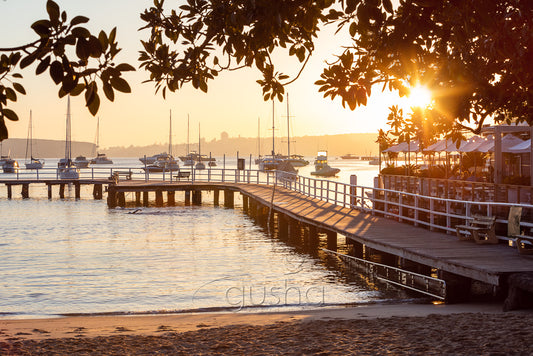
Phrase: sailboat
(270, 162)
(294, 159)
(199, 164)
(165, 162)
(100, 158)
(33, 163)
(67, 168)
(188, 159)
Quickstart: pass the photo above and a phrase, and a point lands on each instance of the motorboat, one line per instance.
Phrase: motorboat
(33, 163)
(81, 162)
(101, 158)
(10, 166)
(322, 168)
(349, 156)
(154, 158)
(167, 165)
(269, 163)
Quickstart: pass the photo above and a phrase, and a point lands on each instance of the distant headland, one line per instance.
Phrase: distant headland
(336, 145)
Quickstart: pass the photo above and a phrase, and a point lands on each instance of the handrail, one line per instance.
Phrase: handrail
(435, 213)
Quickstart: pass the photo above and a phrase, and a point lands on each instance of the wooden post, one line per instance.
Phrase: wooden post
(314, 239)
(121, 199)
(216, 197)
(97, 191)
(228, 198)
(171, 198)
(25, 191)
(187, 197)
(49, 191)
(197, 197)
(245, 203)
(146, 200)
(283, 225)
(138, 199)
(77, 190)
(9, 192)
(111, 197)
(62, 190)
(158, 198)
(332, 240)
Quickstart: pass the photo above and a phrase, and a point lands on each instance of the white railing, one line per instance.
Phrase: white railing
(434, 213)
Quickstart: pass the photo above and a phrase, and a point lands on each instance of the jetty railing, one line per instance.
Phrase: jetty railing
(433, 212)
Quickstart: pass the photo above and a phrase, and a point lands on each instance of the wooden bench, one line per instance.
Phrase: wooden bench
(480, 228)
(183, 174)
(117, 174)
(524, 244)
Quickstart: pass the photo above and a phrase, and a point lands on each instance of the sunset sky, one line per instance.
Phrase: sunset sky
(233, 103)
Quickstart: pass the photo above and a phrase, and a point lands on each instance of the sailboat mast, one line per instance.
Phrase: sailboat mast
(258, 137)
(188, 149)
(97, 134)
(68, 154)
(288, 130)
(29, 146)
(199, 151)
(170, 135)
(273, 127)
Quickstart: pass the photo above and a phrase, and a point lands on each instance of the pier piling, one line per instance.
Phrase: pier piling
(158, 198)
(171, 198)
(77, 190)
(9, 191)
(138, 199)
(187, 197)
(332, 240)
(216, 197)
(62, 190)
(197, 197)
(97, 192)
(121, 197)
(145, 199)
(228, 198)
(49, 191)
(25, 191)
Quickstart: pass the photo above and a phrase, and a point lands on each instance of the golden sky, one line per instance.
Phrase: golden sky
(233, 103)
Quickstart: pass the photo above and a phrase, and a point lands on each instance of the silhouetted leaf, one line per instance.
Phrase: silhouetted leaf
(81, 32)
(43, 65)
(108, 91)
(120, 85)
(3, 130)
(79, 20)
(10, 114)
(18, 87)
(41, 27)
(53, 11)
(95, 105)
(77, 90)
(56, 72)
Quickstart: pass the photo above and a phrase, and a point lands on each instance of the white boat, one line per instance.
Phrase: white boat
(10, 166)
(67, 169)
(154, 158)
(297, 160)
(294, 159)
(269, 163)
(165, 161)
(33, 163)
(81, 162)
(199, 163)
(322, 168)
(100, 158)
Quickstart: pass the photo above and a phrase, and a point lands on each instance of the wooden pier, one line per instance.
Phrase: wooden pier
(310, 205)
(463, 265)
(61, 183)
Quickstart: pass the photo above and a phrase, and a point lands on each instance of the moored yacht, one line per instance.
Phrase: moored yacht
(322, 168)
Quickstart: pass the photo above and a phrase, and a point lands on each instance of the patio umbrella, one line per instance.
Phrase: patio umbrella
(522, 147)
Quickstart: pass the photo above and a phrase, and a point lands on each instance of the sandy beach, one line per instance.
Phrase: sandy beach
(464, 329)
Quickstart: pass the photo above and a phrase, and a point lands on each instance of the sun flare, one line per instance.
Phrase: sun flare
(419, 96)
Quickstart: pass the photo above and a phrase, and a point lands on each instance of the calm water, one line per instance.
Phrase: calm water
(69, 257)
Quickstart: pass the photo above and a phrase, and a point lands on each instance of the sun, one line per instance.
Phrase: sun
(419, 96)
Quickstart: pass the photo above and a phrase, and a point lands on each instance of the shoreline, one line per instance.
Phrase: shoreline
(148, 324)
(367, 330)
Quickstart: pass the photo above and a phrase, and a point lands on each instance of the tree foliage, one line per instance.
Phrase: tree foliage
(475, 55)
(73, 57)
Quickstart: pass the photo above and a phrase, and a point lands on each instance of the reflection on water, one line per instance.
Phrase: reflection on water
(68, 256)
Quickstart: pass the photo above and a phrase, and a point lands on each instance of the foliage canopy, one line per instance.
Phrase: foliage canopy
(474, 55)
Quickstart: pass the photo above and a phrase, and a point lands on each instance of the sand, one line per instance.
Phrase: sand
(400, 329)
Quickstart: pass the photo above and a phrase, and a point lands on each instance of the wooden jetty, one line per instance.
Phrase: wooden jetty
(464, 266)
(62, 183)
(415, 238)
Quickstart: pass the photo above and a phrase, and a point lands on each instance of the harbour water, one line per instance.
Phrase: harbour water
(67, 256)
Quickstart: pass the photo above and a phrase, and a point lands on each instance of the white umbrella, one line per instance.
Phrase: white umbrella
(523, 147)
